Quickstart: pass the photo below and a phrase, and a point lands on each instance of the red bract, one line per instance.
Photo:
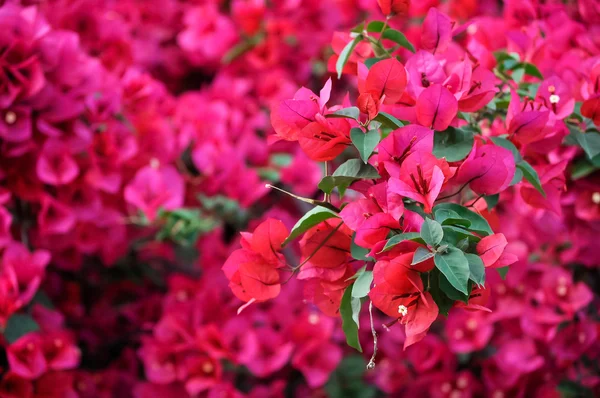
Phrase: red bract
(252, 271)
(489, 169)
(436, 107)
(437, 31)
(420, 177)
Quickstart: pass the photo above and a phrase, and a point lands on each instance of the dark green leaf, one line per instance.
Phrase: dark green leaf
(398, 38)
(348, 113)
(451, 292)
(388, 120)
(478, 223)
(19, 325)
(421, 254)
(432, 232)
(528, 69)
(573, 389)
(349, 313)
(365, 143)
(532, 176)
(345, 55)
(450, 217)
(454, 235)
(491, 200)
(362, 285)
(347, 380)
(589, 142)
(369, 62)
(397, 239)
(454, 144)
(359, 253)
(310, 219)
(476, 268)
(346, 174)
(502, 271)
(463, 244)
(455, 267)
(517, 177)
(441, 300)
(375, 26)
(506, 144)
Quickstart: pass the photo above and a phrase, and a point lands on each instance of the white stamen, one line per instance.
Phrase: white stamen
(154, 163)
(596, 198)
(402, 310)
(10, 117)
(313, 319)
(554, 99)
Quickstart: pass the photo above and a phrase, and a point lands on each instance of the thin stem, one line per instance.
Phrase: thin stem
(319, 246)
(307, 200)
(371, 364)
(475, 201)
(460, 190)
(327, 197)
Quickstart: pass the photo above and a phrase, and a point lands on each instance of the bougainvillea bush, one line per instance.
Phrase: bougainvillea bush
(299, 198)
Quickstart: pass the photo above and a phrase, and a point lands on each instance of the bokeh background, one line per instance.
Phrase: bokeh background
(133, 149)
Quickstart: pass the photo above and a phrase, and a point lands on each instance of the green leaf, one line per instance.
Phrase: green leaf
(348, 113)
(281, 159)
(375, 26)
(345, 55)
(365, 143)
(455, 267)
(388, 120)
(347, 380)
(346, 174)
(432, 232)
(528, 69)
(476, 268)
(589, 142)
(573, 389)
(463, 244)
(398, 38)
(357, 252)
(454, 144)
(506, 144)
(478, 223)
(362, 285)
(369, 62)
(450, 217)
(454, 235)
(532, 176)
(451, 292)
(502, 271)
(19, 325)
(517, 177)
(313, 217)
(441, 300)
(421, 254)
(397, 239)
(491, 200)
(349, 313)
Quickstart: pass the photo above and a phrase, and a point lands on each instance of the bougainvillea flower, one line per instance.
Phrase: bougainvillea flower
(394, 7)
(404, 141)
(327, 244)
(324, 139)
(316, 360)
(252, 271)
(437, 32)
(154, 188)
(436, 107)
(290, 116)
(420, 177)
(26, 358)
(385, 81)
(488, 169)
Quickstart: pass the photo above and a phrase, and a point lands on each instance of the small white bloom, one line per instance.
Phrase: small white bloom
(402, 310)
(10, 117)
(554, 99)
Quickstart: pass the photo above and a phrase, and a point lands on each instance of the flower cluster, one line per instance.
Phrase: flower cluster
(432, 147)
